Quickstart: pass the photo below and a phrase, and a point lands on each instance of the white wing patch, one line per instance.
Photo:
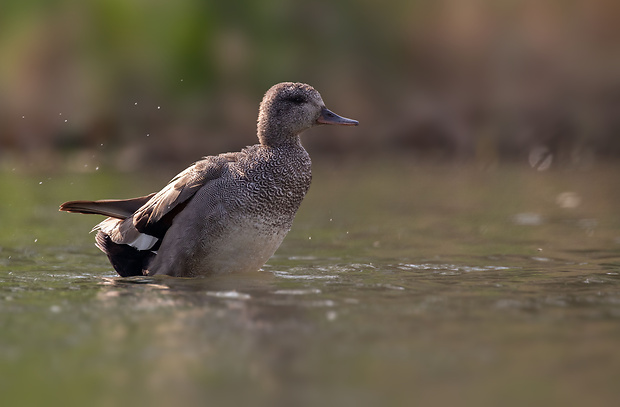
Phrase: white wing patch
(144, 242)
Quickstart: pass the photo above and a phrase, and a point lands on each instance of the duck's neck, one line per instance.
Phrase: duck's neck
(274, 135)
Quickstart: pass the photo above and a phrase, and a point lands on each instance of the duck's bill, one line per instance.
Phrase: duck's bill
(329, 117)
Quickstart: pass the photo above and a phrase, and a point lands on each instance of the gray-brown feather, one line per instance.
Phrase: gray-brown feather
(178, 191)
(116, 208)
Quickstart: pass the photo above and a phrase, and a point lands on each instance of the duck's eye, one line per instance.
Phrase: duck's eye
(298, 100)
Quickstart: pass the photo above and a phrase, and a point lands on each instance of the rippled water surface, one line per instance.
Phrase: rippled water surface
(398, 285)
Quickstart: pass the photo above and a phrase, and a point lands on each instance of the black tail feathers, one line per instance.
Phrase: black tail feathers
(126, 260)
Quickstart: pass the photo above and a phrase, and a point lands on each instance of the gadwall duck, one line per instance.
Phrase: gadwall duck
(225, 213)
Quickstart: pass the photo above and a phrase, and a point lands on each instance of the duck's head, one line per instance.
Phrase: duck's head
(290, 108)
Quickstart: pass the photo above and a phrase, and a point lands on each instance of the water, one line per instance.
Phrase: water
(398, 285)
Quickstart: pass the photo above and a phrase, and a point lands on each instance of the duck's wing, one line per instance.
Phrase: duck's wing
(168, 202)
(149, 223)
(147, 211)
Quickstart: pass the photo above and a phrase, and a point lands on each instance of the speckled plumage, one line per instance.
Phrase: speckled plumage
(225, 213)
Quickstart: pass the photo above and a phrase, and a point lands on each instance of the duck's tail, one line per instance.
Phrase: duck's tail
(126, 260)
(115, 208)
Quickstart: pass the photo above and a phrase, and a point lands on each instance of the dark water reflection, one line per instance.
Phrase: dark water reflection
(402, 286)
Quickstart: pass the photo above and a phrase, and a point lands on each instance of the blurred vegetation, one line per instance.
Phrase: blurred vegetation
(131, 83)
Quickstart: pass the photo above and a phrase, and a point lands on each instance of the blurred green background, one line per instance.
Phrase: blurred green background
(131, 83)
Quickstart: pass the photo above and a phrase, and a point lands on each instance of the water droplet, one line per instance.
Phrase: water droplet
(229, 295)
(568, 200)
(540, 158)
(298, 291)
(528, 219)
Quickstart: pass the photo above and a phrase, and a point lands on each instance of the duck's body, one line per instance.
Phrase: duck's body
(225, 213)
(240, 217)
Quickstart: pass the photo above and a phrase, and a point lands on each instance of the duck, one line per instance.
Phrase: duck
(225, 213)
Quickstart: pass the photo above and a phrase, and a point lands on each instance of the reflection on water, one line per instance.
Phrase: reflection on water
(419, 286)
